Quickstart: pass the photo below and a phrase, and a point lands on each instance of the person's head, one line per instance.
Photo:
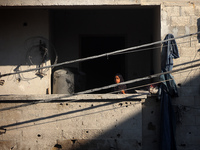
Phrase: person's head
(118, 78)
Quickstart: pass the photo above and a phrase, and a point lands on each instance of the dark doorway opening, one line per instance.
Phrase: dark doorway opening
(100, 72)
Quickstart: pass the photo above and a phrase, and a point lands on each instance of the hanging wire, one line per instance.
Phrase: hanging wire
(98, 56)
(37, 52)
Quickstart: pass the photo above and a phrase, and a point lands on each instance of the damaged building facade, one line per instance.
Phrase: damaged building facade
(41, 33)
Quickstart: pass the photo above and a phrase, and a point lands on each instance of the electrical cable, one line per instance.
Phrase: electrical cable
(112, 85)
(140, 50)
(136, 87)
(101, 55)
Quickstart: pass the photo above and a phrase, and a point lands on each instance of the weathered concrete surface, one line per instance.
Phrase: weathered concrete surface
(96, 2)
(178, 18)
(96, 123)
(20, 52)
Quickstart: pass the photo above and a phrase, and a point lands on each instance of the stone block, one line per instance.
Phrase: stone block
(180, 21)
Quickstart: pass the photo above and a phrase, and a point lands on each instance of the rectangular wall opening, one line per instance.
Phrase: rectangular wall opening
(79, 32)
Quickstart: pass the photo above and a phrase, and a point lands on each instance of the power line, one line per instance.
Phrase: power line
(113, 85)
(144, 49)
(136, 87)
(105, 87)
(98, 56)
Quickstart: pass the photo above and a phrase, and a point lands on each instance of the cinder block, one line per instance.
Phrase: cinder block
(172, 11)
(189, 51)
(180, 21)
(197, 120)
(195, 81)
(193, 20)
(197, 10)
(187, 11)
(197, 101)
(189, 91)
(193, 29)
(177, 30)
(188, 118)
(184, 100)
(186, 131)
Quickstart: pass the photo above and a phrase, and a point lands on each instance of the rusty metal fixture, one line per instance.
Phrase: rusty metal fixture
(2, 82)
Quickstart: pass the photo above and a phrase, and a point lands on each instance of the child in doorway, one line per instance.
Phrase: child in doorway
(120, 89)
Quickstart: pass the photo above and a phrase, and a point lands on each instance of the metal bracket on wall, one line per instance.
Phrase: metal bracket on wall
(2, 130)
(2, 82)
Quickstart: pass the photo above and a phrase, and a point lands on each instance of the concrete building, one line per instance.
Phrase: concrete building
(41, 33)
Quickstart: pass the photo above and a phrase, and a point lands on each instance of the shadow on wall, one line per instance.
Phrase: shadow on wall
(124, 133)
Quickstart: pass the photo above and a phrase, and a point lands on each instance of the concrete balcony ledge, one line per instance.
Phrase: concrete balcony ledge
(84, 97)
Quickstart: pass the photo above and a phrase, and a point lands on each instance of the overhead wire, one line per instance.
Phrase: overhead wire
(110, 86)
(145, 49)
(140, 86)
(98, 56)
(60, 97)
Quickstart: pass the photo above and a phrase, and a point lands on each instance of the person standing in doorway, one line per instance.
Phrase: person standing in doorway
(119, 89)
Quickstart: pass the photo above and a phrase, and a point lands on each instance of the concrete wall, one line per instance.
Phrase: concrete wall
(178, 18)
(21, 31)
(85, 122)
